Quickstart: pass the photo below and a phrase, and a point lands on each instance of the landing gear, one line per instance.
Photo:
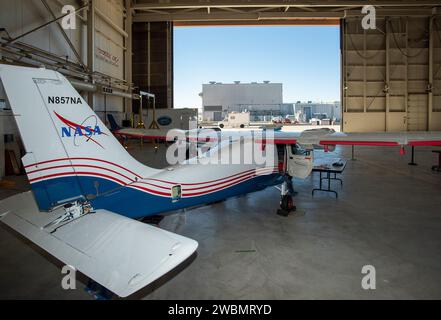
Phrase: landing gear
(287, 198)
(287, 203)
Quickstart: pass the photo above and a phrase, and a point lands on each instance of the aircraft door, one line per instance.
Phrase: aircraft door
(299, 162)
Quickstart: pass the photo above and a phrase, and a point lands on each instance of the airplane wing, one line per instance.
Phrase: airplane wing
(199, 135)
(134, 133)
(327, 137)
(119, 253)
(138, 133)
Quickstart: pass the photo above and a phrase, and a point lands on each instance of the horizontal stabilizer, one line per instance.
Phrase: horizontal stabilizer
(121, 254)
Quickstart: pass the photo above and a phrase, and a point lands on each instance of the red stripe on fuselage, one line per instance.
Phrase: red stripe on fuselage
(87, 159)
(147, 179)
(62, 174)
(80, 166)
(253, 173)
(152, 191)
(231, 182)
(184, 194)
(206, 182)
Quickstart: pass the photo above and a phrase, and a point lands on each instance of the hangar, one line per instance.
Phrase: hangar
(119, 54)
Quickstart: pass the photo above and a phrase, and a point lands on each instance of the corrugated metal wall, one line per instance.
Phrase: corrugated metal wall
(109, 50)
(20, 16)
(109, 40)
(391, 77)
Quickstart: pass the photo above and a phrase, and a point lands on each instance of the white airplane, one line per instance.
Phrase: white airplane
(138, 133)
(210, 136)
(87, 190)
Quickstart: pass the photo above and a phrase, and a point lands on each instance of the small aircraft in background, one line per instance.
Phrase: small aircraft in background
(87, 191)
(137, 133)
(211, 135)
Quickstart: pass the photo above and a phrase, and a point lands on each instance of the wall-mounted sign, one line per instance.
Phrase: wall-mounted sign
(107, 90)
(164, 121)
(107, 56)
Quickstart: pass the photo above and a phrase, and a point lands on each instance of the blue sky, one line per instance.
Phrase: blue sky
(305, 59)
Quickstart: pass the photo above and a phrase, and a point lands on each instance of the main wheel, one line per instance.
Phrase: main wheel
(287, 203)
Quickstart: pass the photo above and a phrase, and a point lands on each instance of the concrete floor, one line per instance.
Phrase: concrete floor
(388, 215)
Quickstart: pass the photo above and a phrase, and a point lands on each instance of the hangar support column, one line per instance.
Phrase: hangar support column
(91, 46)
(128, 55)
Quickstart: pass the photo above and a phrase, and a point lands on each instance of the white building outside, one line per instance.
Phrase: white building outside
(263, 101)
(260, 99)
(318, 110)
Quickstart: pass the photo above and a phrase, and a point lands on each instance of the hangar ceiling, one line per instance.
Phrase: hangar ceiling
(199, 12)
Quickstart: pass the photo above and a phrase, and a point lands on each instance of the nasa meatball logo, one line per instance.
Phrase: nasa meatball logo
(165, 121)
(87, 130)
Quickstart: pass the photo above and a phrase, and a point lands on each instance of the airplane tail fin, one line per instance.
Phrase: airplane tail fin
(70, 153)
(113, 125)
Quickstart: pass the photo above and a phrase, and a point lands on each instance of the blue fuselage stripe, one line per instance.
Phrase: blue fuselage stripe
(132, 202)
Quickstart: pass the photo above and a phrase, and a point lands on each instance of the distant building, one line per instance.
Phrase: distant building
(262, 100)
(319, 110)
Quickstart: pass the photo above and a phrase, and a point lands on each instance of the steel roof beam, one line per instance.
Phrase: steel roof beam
(299, 3)
(266, 15)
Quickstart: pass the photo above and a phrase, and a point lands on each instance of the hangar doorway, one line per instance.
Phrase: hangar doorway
(270, 71)
(390, 75)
